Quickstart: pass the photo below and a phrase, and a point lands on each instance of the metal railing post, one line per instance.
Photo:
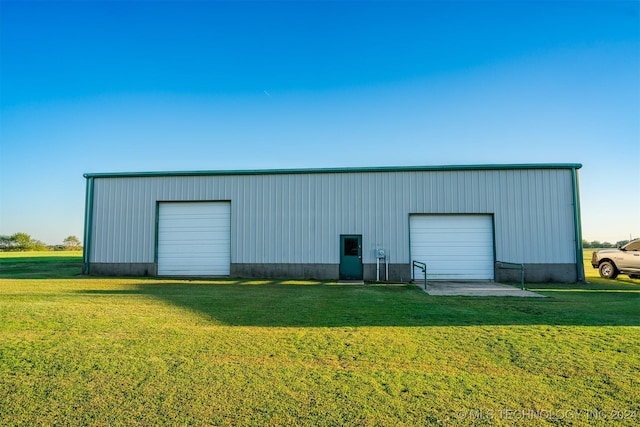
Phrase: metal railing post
(422, 266)
(513, 266)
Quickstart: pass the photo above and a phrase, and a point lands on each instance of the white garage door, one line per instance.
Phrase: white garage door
(454, 247)
(194, 239)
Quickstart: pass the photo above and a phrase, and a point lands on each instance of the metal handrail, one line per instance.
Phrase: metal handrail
(422, 266)
(513, 266)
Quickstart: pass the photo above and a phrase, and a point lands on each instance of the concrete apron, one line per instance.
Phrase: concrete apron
(475, 289)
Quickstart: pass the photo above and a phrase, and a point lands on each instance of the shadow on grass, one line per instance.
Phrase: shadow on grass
(313, 304)
(291, 303)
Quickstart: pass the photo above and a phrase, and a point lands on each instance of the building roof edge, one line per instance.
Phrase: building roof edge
(335, 170)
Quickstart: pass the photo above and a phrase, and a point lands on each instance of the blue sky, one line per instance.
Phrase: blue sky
(147, 86)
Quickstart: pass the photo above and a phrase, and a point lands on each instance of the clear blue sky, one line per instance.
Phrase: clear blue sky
(147, 86)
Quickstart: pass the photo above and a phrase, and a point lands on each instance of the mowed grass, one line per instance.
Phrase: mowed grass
(80, 350)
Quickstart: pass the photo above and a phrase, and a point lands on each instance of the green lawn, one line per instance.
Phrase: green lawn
(122, 351)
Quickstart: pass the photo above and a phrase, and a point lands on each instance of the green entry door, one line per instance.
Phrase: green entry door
(350, 257)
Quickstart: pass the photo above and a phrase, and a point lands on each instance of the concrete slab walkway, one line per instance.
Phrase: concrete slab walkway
(351, 282)
(476, 289)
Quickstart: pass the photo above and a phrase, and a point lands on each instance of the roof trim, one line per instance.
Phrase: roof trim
(572, 166)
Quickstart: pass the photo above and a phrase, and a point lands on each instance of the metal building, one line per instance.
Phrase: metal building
(359, 223)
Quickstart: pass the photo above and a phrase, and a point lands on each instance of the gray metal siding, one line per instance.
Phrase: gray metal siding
(297, 218)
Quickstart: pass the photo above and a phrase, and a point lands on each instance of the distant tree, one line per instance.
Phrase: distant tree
(37, 245)
(7, 243)
(72, 243)
(621, 243)
(597, 244)
(22, 242)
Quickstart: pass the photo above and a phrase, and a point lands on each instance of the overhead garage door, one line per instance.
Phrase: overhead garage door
(194, 239)
(454, 247)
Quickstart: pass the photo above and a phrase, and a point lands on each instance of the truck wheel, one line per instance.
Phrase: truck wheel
(608, 270)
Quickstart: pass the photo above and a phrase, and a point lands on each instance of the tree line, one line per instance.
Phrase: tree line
(22, 242)
(599, 245)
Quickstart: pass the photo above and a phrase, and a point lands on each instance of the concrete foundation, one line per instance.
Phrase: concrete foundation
(397, 272)
(534, 273)
(122, 269)
(286, 271)
(540, 273)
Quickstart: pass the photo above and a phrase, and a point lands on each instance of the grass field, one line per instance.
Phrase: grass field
(80, 350)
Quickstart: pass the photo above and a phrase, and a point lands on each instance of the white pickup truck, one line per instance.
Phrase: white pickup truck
(624, 260)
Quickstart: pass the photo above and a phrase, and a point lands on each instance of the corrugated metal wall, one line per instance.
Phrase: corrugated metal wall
(297, 218)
